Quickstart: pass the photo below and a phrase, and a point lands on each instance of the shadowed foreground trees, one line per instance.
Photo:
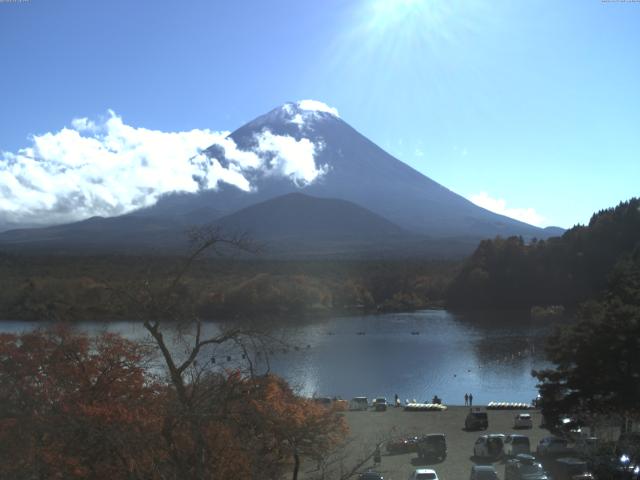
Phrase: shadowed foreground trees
(78, 407)
(596, 361)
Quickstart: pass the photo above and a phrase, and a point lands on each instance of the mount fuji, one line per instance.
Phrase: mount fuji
(346, 166)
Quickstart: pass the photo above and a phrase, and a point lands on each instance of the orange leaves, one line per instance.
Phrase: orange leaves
(75, 407)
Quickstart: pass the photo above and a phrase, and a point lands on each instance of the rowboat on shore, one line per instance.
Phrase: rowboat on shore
(424, 407)
(508, 406)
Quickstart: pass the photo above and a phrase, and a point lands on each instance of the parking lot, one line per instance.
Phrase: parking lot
(368, 428)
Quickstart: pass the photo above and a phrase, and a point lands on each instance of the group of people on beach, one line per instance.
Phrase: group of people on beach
(468, 400)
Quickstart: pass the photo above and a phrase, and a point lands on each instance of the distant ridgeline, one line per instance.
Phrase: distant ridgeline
(566, 270)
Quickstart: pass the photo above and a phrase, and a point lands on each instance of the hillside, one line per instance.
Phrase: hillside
(510, 273)
(302, 217)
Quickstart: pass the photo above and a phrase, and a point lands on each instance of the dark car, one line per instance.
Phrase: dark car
(570, 428)
(612, 467)
(569, 468)
(433, 445)
(403, 445)
(629, 444)
(524, 467)
(483, 472)
(476, 420)
(370, 475)
(324, 401)
(380, 404)
(553, 446)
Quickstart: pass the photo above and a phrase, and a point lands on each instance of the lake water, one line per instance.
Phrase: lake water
(415, 355)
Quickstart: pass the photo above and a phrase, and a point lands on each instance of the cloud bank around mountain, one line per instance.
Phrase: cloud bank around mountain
(109, 168)
(499, 205)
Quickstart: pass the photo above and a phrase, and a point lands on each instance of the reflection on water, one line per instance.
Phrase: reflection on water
(415, 355)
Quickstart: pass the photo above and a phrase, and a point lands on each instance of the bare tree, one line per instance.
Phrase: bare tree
(205, 400)
(166, 307)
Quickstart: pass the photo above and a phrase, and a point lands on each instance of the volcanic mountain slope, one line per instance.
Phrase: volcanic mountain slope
(356, 170)
(364, 199)
(310, 219)
(290, 226)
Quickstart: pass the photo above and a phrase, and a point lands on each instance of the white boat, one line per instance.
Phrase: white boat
(424, 407)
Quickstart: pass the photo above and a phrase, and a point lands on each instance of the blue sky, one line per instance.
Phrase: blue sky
(535, 103)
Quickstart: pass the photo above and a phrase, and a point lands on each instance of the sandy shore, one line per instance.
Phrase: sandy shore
(368, 428)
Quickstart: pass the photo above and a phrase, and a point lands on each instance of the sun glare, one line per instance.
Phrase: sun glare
(398, 13)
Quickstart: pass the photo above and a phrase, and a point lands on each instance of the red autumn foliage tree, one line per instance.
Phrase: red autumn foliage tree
(72, 407)
(79, 407)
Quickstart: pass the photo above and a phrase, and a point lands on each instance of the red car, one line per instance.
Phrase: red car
(403, 445)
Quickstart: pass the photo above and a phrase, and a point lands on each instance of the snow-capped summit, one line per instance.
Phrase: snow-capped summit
(303, 111)
(292, 118)
(317, 106)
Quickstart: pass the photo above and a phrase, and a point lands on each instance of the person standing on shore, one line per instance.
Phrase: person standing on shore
(466, 399)
(470, 400)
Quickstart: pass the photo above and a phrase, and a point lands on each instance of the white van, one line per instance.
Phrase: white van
(359, 403)
(489, 446)
(523, 420)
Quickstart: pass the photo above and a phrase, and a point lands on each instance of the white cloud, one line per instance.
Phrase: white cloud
(317, 106)
(291, 158)
(498, 205)
(109, 168)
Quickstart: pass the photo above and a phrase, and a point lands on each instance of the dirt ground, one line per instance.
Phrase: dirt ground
(369, 428)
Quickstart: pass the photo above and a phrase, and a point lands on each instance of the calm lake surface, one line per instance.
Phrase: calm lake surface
(415, 355)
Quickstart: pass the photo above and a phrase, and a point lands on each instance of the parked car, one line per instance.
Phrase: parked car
(629, 467)
(569, 468)
(523, 420)
(433, 445)
(359, 403)
(424, 474)
(629, 440)
(403, 445)
(614, 467)
(476, 420)
(370, 475)
(324, 401)
(570, 428)
(524, 467)
(380, 404)
(483, 472)
(489, 446)
(552, 446)
(340, 405)
(587, 445)
(629, 444)
(516, 444)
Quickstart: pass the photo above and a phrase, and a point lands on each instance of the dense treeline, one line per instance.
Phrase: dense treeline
(79, 288)
(509, 273)
(596, 367)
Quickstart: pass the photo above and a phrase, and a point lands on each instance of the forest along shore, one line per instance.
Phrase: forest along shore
(368, 428)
